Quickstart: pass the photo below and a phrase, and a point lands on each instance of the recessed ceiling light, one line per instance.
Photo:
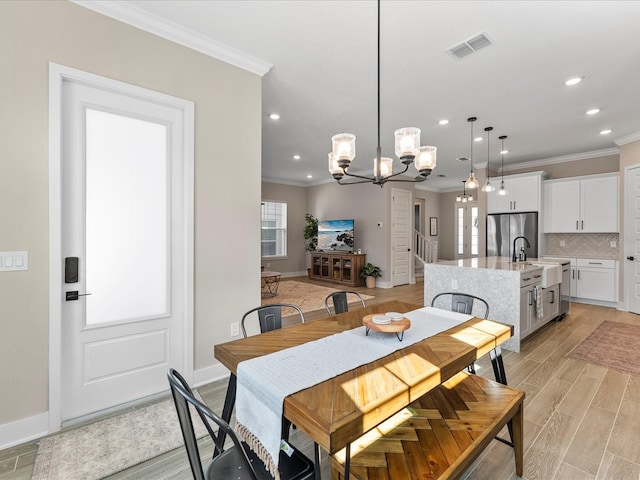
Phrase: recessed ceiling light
(274, 116)
(605, 132)
(296, 157)
(477, 139)
(573, 81)
(593, 111)
(443, 122)
(309, 176)
(504, 152)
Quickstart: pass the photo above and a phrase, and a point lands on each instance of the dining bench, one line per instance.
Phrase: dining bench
(437, 436)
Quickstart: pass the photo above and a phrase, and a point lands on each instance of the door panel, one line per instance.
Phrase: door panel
(401, 236)
(123, 217)
(632, 238)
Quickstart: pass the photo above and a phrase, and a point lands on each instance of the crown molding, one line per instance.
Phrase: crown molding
(633, 137)
(136, 17)
(565, 158)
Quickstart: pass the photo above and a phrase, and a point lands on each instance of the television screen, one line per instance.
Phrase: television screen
(335, 235)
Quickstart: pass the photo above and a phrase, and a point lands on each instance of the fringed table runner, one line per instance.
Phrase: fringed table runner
(264, 382)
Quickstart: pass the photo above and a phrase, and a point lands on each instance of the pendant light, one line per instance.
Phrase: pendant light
(502, 190)
(487, 187)
(471, 182)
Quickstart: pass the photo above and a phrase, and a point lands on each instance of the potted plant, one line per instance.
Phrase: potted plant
(310, 237)
(370, 272)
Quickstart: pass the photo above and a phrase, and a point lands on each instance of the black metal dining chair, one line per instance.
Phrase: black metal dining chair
(270, 316)
(340, 301)
(236, 462)
(460, 302)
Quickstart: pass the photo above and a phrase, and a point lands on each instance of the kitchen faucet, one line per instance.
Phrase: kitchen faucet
(514, 258)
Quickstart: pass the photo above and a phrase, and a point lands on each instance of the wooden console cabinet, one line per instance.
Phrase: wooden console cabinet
(343, 268)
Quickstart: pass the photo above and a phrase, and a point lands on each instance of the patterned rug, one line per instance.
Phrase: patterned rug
(307, 296)
(612, 345)
(111, 445)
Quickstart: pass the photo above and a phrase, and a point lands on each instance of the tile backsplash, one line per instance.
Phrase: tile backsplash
(585, 245)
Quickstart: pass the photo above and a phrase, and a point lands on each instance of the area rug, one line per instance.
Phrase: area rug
(108, 446)
(612, 345)
(307, 296)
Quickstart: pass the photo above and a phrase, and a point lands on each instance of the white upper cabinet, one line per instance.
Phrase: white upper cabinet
(581, 204)
(523, 194)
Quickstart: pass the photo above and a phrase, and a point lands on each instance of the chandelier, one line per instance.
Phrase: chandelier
(464, 198)
(407, 149)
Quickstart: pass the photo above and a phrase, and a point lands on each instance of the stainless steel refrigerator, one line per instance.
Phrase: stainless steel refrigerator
(503, 228)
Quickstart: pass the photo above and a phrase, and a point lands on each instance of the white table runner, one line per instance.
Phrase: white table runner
(264, 382)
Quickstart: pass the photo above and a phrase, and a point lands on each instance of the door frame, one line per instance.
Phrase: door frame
(57, 75)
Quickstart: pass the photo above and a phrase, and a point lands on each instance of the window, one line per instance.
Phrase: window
(274, 229)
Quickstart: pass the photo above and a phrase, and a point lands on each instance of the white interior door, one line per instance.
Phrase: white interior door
(632, 240)
(401, 236)
(467, 236)
(124, 310)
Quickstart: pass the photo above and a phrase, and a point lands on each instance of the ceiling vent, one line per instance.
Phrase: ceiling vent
(469, 46)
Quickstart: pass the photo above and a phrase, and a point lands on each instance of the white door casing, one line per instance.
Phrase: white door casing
(632, 238)
(401, 208)
(121, 356)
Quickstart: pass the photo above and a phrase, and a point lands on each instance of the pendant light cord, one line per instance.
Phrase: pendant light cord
(379, 149)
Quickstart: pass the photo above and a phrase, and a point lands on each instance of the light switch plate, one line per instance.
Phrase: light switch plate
(14, 261)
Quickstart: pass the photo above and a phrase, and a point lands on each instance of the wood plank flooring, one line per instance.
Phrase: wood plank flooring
(581, 420)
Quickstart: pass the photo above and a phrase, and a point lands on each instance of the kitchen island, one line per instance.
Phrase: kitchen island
(514, 291)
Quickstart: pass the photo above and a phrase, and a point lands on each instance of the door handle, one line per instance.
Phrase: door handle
(553, 296)
(631, 258)
(577, 225)
(74, 295)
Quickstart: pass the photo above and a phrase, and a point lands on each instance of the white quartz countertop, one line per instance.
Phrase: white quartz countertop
(501, 263)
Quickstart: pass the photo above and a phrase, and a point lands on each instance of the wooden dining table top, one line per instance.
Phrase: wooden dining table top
(339, 410)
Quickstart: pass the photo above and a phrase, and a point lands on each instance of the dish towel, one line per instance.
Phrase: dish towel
(264, 382)
(537, 297)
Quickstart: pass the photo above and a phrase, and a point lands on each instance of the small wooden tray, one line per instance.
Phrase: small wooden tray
(395, 326)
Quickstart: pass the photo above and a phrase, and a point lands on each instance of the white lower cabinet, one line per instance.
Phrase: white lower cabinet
(594, 279)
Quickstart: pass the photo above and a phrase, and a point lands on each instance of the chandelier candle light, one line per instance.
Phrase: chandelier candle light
(502, 190)
(464, 198)
(407, 149)
(487, 187)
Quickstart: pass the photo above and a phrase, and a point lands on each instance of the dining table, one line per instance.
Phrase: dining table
(337, 411)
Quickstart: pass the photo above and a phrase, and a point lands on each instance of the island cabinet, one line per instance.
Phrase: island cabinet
(581, 204)
(529, 318)
(523, 194)
(512, 290)
(336, 267)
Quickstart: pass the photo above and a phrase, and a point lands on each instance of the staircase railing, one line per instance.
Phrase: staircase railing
(425, 249)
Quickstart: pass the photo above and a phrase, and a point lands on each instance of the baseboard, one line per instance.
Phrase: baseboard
(209, 374)
(24, 430)
(294, 274)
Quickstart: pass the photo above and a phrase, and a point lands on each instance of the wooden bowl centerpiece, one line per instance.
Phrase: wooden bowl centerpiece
(387, 324)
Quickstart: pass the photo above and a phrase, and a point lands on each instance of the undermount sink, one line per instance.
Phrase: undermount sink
(551, 274)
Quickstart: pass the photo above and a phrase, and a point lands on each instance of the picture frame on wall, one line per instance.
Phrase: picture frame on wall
(433, 226)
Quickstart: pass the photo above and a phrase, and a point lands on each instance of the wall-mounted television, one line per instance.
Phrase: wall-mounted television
(336, 235)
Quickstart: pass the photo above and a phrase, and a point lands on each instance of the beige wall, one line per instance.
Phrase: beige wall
(367, 204)
(227, 214)
(576, 168)
(296, 199)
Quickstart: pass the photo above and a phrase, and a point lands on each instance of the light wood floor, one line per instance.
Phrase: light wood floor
(581, 420)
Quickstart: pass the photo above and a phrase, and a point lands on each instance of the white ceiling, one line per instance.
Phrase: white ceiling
(323, 76)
